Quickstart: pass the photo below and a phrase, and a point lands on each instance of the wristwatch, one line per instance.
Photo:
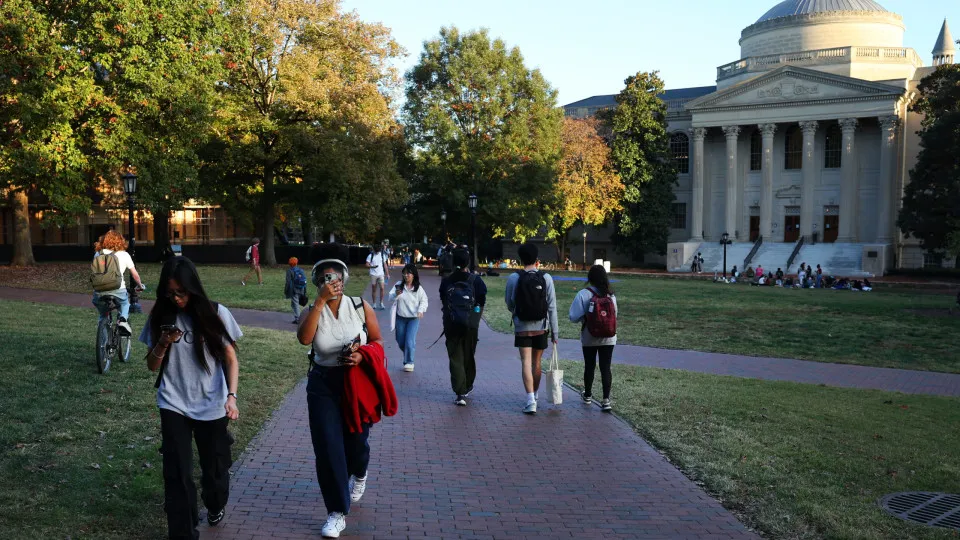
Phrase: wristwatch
(234, 394)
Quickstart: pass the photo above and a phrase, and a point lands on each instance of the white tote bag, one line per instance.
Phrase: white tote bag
(555, 378)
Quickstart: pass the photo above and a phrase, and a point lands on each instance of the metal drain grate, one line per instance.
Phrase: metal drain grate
(933, 509)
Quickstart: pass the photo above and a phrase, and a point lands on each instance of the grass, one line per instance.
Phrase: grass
(79, 451)
(899, 329)
(795, 461)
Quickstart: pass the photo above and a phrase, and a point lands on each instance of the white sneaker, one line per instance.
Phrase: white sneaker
(125, 329)
(335, 524)
(531, 408)
(408, 367)
(357, 487)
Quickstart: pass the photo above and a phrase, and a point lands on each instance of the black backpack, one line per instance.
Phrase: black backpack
(530, 296)
(460, 303)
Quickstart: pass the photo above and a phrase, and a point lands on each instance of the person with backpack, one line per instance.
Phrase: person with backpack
(253, 257)
(379, 265)
(595, 307)
(462, 295)
(192, 342)
(411, 303)
(531, 299)
(295, 288)
(106, 276)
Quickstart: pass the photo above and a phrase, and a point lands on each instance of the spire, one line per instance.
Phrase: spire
(943, 51)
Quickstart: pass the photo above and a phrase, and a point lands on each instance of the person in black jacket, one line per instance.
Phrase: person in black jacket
(462, 338)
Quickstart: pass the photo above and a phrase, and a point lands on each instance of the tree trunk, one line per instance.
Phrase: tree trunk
(307, 224)
(268, 236)
(161, 230)
(22, 245)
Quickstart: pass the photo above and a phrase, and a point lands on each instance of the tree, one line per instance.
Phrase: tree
(641, 150)
(306, 119)
(588, 189)
(482, 122)
(931, 201)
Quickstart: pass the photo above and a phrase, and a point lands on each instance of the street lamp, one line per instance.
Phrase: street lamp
(725, 241)
(130, 188)
(472, 203)
(443, 218)
(584, 246)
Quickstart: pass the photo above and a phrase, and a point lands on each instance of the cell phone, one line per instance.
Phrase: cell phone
(350, 348)
(330, 278)
(399, 287)
(168, 327)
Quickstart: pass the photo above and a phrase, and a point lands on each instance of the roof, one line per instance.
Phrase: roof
(804, 7)
(676, 93)
(944, 41)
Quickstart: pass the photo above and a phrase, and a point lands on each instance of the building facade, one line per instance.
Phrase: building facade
(805, 142)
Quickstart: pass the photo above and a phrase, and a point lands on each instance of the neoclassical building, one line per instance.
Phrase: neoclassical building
(804, 145)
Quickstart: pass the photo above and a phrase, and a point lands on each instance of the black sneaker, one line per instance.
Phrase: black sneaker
(586, 397)
(461, 401)
(213, 518)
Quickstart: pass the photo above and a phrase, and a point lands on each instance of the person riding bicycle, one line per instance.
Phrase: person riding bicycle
(113, 243)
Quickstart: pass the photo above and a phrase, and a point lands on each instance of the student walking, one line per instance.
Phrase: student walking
(463, 295)
(295, 288)
(192, 341)
(347, 389)
(379, 266)
(531, 299)
(411, 303)
(595, 307)
(253, 257)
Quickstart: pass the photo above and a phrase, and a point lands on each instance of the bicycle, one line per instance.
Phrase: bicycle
(110, 342)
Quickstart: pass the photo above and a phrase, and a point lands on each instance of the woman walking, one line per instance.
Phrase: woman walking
(342, 400)
(192, 342)
(595, 307)
(411, 304)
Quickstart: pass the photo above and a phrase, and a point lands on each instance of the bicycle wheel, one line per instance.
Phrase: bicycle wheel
(123, 349)
(103, 345)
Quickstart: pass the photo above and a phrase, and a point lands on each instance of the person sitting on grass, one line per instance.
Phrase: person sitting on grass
(750, 273)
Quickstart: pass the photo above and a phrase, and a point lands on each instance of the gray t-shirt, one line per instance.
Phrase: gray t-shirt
(186, 388)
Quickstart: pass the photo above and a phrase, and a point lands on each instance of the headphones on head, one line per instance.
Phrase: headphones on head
(317, 278)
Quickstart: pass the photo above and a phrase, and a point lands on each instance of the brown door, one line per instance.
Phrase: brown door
(791, 228)
(830, 224)
(754, 228)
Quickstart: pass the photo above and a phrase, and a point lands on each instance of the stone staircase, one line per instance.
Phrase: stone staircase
(712, 253)
(836, 259)
(773, 255)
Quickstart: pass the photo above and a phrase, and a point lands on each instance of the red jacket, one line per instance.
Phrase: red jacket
(368, 390)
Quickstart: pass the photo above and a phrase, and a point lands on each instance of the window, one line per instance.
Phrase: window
(833, 148)
(793, 149)
(756, 150)
(679, 216)
(680, 148)
(932, 260)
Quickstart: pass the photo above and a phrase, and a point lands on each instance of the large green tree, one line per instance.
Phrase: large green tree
(640, 148)
(482, 122)
(931, 201)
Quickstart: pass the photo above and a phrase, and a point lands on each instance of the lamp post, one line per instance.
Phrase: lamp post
(443, 218)
(584, 246)
(725, 241)
(472, 203)
(130, 188)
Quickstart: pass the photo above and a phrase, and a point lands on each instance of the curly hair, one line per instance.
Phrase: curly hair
(113, 241)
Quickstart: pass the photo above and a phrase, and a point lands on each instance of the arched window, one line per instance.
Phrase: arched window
(833, 147)
(756, 150)
(680, 148)
(793, 148)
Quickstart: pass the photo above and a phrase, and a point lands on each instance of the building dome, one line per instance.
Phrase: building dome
(805, 7)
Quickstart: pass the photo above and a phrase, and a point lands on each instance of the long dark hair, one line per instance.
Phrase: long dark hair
(597, 276)
(411, 269)
(207, 327)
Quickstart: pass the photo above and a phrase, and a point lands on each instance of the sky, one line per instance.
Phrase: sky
(589, 47)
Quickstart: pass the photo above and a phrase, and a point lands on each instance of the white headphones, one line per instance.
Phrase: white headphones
(317, 278)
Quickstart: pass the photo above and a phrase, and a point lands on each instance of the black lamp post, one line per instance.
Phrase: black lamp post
(472, 203)
(130, 188)
(443, 218)
(584, 246)
(725, 241)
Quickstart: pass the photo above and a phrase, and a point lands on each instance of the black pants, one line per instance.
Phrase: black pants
(338, 452)
(462, 352)
(590, 365)
(179, 491)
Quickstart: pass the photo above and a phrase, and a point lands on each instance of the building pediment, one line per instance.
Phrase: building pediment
(791, 86)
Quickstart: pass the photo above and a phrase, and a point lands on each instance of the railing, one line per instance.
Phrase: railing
(796, 251)
(833, 55)
(756, 246)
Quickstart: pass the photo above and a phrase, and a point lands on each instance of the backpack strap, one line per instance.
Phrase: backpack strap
(358, 306)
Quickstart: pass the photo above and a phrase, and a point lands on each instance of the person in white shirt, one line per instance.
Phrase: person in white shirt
(411, 304)
(377, 262)
(114, 243)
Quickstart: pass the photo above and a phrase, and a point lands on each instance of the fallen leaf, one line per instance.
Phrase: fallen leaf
(148, 438)
(95, 466)
(147, 465)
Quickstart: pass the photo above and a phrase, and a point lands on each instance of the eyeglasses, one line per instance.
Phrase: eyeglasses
(181, 294)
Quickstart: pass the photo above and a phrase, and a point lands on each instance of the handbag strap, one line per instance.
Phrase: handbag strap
(554, 359)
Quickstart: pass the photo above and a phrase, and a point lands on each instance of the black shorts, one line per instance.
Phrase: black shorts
(538, 342)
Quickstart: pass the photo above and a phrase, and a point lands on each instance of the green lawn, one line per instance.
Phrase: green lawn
(795, 461)
(899, 328)
(79, 451)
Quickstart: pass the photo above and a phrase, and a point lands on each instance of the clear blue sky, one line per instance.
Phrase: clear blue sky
(586, 48)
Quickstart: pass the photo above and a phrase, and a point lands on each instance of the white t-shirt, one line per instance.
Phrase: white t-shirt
(376, 260)
(126, 263)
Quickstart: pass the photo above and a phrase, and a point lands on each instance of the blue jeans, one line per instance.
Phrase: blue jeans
(407, 337)
(119, 294)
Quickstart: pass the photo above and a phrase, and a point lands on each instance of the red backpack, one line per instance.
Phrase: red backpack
(601, 317)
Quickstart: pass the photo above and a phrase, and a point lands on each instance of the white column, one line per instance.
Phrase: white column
(849, 183)
(766, 185)
(698, 135)
(731, 133)
(810, 172)
(888, 139)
